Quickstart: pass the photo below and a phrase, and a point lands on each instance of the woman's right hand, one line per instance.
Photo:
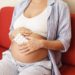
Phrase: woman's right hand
(24, 31)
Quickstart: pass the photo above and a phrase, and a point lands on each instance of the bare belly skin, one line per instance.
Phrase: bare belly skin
(32, 57)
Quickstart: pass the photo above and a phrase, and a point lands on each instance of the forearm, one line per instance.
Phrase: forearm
(54, 45)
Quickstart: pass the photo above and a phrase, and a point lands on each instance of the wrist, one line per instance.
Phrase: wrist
(43, 43)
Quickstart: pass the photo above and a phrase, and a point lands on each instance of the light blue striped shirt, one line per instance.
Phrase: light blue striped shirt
(59, 27)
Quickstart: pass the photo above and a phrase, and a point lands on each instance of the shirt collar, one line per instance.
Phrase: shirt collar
(51, 2)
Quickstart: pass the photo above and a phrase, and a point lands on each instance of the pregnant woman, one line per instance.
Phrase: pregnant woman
(40, 31)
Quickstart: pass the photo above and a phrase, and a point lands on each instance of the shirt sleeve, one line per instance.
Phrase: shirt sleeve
(15, 13)
(12, 21)
(64, 26)
(11, 25)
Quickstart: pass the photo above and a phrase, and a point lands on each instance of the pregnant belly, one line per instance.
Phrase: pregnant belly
(32, 57)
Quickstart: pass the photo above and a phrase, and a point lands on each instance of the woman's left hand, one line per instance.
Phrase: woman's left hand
(32, 45)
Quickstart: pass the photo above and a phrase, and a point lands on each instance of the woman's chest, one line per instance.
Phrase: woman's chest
(34, 9)
(31, 12)
(37, 23)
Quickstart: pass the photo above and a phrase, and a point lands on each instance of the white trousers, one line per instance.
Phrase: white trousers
(8, 66)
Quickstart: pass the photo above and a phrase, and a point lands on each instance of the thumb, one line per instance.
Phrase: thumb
(28, 37)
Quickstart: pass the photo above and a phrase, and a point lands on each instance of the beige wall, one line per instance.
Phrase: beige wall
(71, 4)
(3, 3)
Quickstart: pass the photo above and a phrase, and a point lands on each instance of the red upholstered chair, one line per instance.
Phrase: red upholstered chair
(68, 58)
(5, 21)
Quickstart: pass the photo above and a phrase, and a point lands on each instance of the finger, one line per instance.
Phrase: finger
(29, 38)
(26, 34)
(23, 47)
(29, 52)
(25, 50)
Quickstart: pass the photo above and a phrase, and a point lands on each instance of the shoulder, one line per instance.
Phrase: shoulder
(61, 4)
(20, 7)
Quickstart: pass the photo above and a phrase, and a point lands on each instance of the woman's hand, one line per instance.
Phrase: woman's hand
(24, 31)
(32, 45)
